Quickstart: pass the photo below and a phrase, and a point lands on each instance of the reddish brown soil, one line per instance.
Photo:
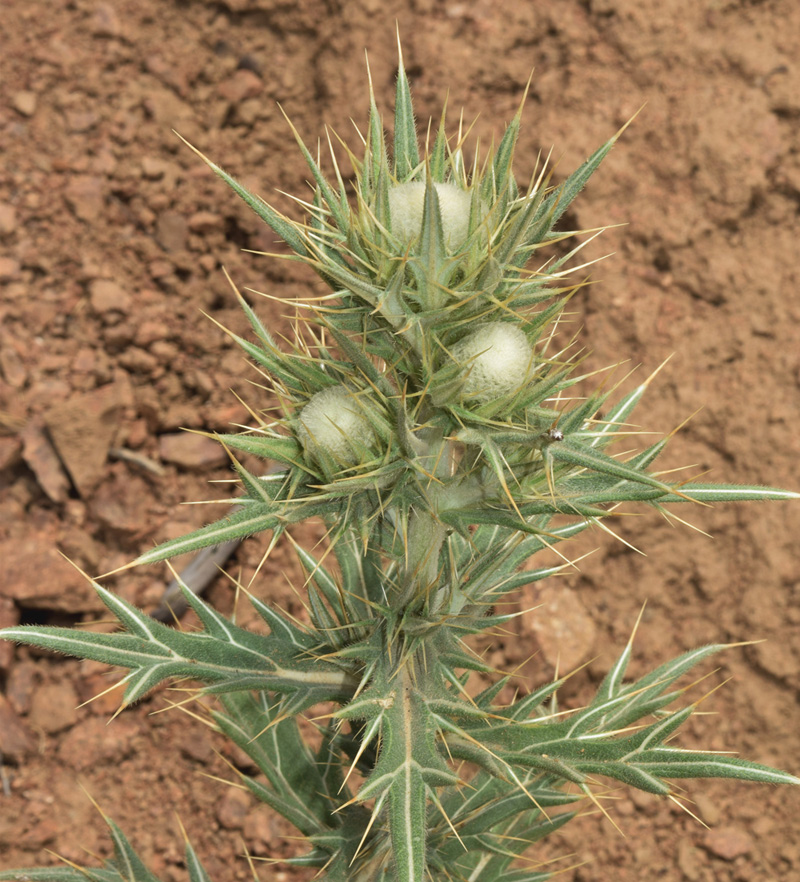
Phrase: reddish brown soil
(112, 239)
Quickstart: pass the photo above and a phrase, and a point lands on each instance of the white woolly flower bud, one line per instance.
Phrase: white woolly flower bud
(407, 203)
(333, 421)
(497, 356)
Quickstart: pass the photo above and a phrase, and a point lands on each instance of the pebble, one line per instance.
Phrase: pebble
(241, 85)
(122, 503)
(705, 809)
(54, 707)
(105, 21)
(205, 222)
(11, 365)
(171, 231)
(233, 808)
(10, 455)
(562, 627)
(21, 683)
(8, 219)
(24, 102)
(150, 331)
(33, 573)
(85, 195)
(82, 429)
(106, 295)
(42, 459)
(190, 451)
(689, 860)
(9, 269)
(154, 168)
(95, 742)
(728, 842)
(15, 740)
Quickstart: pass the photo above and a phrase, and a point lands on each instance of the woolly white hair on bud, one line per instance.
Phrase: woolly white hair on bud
(497, 356)
(407, 203)
(333, 421)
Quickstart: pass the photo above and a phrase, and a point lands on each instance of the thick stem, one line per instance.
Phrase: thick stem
(425, 538)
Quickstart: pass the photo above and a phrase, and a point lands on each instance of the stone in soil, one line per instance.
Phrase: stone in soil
(82, 429)
(35, 575)
(728, 842)
(190, 451)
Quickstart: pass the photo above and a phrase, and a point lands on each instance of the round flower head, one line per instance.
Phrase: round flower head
(497, 357)
(334, 422)
(406, 205)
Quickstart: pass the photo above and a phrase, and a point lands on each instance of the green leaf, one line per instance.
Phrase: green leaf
(406, 150)
(238, 524)
(197, 872)
(571, 453)
(60, 874)
(408, 766)
(279, 224)
(297, 789)
(223, 654)
(562, 197)
(729, 493)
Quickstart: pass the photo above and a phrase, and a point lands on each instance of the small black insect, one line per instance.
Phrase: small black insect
(555, 435)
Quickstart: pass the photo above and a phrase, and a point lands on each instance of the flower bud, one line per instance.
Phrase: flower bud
(334, 422)
(407, 203)
(498, 359)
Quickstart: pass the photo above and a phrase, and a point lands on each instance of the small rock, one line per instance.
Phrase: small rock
(171, 231)
(21, 684)
(54, 707)
(12, 367)
(10, 455)
(85, 195)
(78, 121)
(82, 429)
(205, 222)
(777, 658)
(24, 102)
(241, 85)
(728, 842)
(149, 332)
(689, 861)
(105, 21)
(94, 742)
(561, 626)
(106, 295)
(706, 810)
(233, 808)
(137, 361)
(154, 168)
(160, 269)
(9, 269)
(34, 574)
(191, 451)
(198, 748)
(122, 503)
(43, 461)
(8, 219)
(15, 741)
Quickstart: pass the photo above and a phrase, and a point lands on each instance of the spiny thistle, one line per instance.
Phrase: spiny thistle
(432, 424)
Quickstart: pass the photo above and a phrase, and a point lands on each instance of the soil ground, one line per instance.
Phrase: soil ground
(112, 240)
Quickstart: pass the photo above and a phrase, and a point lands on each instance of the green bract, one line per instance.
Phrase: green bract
(441, 434)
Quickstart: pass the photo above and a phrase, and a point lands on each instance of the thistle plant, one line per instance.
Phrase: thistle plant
(432, 419)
